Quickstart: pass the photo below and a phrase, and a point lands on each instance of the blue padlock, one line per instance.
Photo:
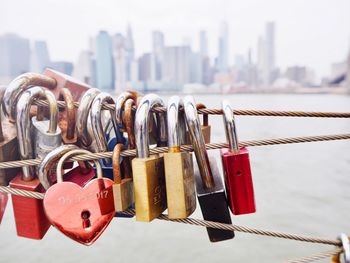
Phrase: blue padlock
(104, 142)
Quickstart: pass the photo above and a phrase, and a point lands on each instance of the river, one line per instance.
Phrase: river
(299, 188)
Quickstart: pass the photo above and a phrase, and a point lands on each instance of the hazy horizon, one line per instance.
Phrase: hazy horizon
(311, 33)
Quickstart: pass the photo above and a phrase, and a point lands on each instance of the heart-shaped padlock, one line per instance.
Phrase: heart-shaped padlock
(79, 212)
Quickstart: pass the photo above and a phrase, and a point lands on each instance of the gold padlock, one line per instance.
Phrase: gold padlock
(148, 171)
(123, 191)
(179, 173)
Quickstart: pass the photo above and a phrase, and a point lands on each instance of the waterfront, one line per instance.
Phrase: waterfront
(301, 188)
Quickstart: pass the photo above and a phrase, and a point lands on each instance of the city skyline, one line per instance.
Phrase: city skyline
(318, 37)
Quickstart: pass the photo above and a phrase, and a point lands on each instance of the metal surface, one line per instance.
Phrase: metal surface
(96, 122)
(70, 112)
(230, 127)
(23, 125)
(48, 164)
(18, 85)
(346, 247)
(176, 123)
(83, 114)
(119, 105)
(143, 114)
(198, 143)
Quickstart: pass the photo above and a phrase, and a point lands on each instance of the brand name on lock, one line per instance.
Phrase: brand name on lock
(78, 198)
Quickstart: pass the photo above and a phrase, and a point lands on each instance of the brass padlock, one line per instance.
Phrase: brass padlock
(18, 85)
(84, 134)
(179, 174)
(123, 191)
(148, 171)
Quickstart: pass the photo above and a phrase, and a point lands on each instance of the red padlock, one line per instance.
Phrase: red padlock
(31, 221)
(80, 175)
(236, 166)
(64, 81)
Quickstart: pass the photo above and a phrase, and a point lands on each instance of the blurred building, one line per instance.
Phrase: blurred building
(85, 68)
(266, 56)
(122, 67)
(15, 57)
(158, 53)
(63, 66)
(40, 58)
(223, 48)
(104, 62)
(300, 75)
(129, 52)
(176, 67)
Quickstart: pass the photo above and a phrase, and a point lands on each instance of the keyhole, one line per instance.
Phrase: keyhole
(85, 215)
(238, 173)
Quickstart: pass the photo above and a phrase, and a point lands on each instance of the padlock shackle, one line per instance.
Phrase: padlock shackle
(59, 169)
(142, 117)
(230, 127)
(176, 124)
(198, 143)
(96, 119)
(116, 164)
(70, 111)
(128, 121)
(23, 124)
(2, 92)
(201, 106)
(120, 108)
(346, 247)
(20, 84)
(46, 165)
(82, 116)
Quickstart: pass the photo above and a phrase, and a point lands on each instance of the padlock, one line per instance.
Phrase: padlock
(148, 171)
(128, 121)
(76, 87)
(67, 122)
(206, 128)
(123, 190)
(119, 106)
(18, 85)
(78, 212)
(46, 133)
(236, 166)
(98, 132)
(209, 186)
(179, 174)
(79, 175)
(84, 135)
(8, 152)
(31, 221)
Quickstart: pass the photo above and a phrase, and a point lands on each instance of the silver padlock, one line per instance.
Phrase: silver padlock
(20, 84)
(85, 136)
(46, 133)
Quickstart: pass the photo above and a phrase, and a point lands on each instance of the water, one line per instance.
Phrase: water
(299, 188)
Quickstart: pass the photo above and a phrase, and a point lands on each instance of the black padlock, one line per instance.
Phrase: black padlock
(210, 188)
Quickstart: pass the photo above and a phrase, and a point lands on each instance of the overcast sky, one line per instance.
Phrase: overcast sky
(314, 33)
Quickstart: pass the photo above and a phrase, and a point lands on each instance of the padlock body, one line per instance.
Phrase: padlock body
(180, 185)
(149, 187)
(213, 204)
(30, 218)
(3, 204)
(123, 194)
(206, 131)
(45, 142)
(8, 152)
(238, 181)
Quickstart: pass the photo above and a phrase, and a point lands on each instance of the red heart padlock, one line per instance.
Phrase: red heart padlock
(75, 210)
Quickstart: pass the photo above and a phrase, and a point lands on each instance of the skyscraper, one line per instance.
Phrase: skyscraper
(266, 55)
(84, 68)
(223, 48)
(176, 69)
(203, 44)
(158, 53)
(40, 58)
(120, 62)
(104, 61)
(130, 52)
(15, 57)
